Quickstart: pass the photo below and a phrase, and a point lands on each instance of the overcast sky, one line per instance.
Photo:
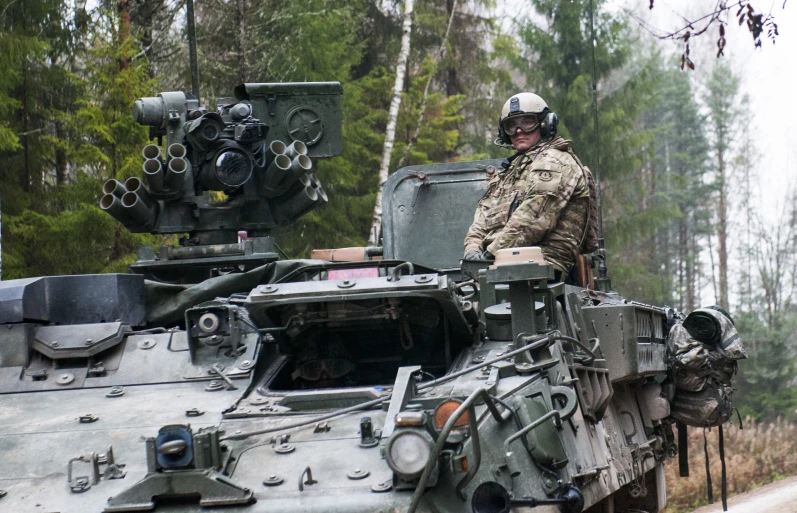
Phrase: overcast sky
(768, 75)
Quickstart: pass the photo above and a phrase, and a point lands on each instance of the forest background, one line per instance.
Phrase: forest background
(678, 160)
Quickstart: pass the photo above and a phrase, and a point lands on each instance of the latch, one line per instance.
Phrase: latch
(112, 470)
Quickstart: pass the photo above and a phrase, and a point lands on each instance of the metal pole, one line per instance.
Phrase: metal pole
(602, 282)
(595, 118)
(189, 12)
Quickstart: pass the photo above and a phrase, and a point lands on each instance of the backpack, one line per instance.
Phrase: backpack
(704, 351)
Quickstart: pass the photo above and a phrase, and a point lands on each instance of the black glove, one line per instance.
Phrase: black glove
(479, 256)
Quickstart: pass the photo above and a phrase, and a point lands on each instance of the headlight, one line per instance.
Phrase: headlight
(407, 453)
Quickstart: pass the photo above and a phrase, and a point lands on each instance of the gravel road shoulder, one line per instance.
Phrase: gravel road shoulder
(780, 497)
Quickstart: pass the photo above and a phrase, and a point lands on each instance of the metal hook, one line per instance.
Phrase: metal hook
(310, 480)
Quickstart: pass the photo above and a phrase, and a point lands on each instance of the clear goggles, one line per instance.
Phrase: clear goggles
(330, 368)
(526, 123)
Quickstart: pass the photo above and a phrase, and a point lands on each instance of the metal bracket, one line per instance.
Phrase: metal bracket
(214, 490)
(169, 475)
(368, 437)
(404, 389)
(82, 483)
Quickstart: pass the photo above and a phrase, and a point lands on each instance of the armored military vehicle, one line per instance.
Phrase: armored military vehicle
(372, 380)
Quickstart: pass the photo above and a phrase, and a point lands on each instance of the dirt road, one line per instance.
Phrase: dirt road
(780, 497)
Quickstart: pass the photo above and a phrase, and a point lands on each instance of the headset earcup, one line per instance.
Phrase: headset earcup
(549, 125)
(501, 135)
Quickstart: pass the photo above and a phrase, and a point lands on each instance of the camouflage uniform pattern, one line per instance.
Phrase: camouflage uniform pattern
(702, 372)
(543, 200)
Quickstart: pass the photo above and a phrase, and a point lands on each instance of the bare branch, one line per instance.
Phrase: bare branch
(758, 24)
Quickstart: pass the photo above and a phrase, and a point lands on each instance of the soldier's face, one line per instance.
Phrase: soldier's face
(522, 141)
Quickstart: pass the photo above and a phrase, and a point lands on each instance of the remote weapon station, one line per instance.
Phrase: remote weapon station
(217, 377)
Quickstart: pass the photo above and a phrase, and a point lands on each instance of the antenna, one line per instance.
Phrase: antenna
(189, 14)
(602, 282)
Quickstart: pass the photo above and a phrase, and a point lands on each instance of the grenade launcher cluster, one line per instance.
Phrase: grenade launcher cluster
(246, 166)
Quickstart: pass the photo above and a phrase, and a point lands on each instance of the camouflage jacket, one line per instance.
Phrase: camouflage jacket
(543, 200)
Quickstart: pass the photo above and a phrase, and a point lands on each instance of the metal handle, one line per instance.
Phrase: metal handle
(571, 403)
(395, 273)
(472, 284)
(537, 423)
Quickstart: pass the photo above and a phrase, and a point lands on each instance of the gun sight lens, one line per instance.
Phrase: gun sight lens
(233, 167)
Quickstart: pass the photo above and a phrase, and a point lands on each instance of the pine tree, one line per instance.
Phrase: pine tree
(555, 59)
(722, 101)
(745, 174)
(100, 140)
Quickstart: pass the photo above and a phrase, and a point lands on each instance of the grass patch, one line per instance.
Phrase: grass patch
(759, 454)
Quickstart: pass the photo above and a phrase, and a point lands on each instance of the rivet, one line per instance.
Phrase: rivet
(358, 474)
(214, 386)
(65, 378)
(285, 448)
(381, 487)
(273, 480)
(115, 392)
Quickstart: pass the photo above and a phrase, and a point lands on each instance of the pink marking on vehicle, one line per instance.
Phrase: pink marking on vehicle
(359, 272)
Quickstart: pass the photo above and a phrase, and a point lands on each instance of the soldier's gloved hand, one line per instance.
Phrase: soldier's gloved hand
(488, 256)
(473, 255)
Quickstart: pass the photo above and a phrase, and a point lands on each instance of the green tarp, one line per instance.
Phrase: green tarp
(167, 303)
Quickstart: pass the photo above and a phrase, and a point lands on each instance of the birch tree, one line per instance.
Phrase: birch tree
(407, 152)
(392, 117)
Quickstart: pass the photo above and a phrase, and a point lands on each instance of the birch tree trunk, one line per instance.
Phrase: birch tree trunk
(405, 157)
(392, 117)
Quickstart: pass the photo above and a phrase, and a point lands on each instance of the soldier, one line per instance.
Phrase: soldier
(543, 197)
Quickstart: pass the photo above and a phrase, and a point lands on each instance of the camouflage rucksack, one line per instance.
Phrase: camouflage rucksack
(702, 368)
